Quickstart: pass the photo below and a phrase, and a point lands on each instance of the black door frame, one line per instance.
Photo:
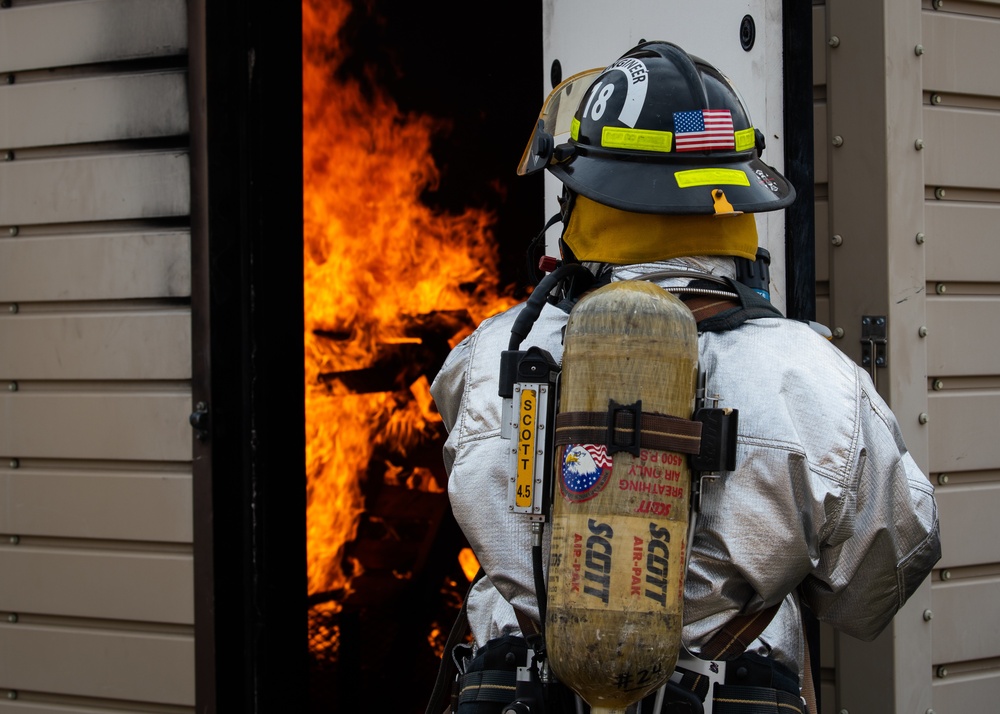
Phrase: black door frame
(245, 100)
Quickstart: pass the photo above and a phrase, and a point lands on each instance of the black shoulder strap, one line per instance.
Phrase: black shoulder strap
(447, 671)
(722, 314)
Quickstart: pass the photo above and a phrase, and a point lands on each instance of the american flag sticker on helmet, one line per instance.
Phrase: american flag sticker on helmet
(704, 129)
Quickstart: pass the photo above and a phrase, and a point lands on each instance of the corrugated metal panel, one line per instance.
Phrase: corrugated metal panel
(36, 579)
(89, 267)
(141, 666)
(75, 111)
(137, 344)
(94, 188)
(143, 423)
(43, 35)
(143, 502)
(95, 358)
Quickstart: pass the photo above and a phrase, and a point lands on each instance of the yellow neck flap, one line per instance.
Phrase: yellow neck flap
(603, 234)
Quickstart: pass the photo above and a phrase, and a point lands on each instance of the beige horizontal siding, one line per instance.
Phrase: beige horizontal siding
(968, 692)
(133, 344)
(961, 148)
(957, 50)
(92, 662)
(964, 509)
(143, 503)
(91, 583)
(96, 513)
(967, 619)
(144, 424)
(962, 431)
(950, 322)
(76, 110)
(57, 34)
(94, 188)
(91, 266)
(962, 241)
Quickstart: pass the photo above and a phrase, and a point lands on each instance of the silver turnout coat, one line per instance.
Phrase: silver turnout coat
(825, 505)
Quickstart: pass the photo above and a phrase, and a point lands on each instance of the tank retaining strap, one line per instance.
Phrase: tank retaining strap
(656, 431)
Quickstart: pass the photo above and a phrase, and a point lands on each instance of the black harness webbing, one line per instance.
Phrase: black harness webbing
(448, 670)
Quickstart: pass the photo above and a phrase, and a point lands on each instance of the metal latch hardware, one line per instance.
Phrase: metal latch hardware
(873, 344)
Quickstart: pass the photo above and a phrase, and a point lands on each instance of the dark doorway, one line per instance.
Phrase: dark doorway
(376, 637)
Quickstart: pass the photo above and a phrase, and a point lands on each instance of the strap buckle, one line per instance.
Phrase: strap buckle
(630, 437)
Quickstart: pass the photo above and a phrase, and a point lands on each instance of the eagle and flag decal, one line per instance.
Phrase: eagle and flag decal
(585, 470)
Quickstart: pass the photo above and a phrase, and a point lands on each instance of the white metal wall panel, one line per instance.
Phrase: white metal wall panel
(583, 34)
(96, 602)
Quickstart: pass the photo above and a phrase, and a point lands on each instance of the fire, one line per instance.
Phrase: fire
(378, 267)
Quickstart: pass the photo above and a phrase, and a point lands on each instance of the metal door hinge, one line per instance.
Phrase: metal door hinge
(874, 338)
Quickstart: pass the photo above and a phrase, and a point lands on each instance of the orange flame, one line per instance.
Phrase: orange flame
(375, 260)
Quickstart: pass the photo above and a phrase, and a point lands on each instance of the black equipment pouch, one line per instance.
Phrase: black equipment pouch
(489, 680)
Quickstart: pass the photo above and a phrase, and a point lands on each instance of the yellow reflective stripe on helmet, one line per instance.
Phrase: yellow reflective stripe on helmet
(614, 137)
(574, 129)
(745, 139)
(708, 177)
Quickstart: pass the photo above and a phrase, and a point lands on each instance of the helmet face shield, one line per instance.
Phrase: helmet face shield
(657, 131)
(556, 118)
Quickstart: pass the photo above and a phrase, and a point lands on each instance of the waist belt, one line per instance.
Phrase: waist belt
(753, 685)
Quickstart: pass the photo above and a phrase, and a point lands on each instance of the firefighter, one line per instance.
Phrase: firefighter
(825, 514)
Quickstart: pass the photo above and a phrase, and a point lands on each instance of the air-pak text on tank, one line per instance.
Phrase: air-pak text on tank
(638, 555)
(598, 561)
(657, 563)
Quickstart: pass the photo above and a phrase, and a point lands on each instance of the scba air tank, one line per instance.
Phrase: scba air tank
(619, 520)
